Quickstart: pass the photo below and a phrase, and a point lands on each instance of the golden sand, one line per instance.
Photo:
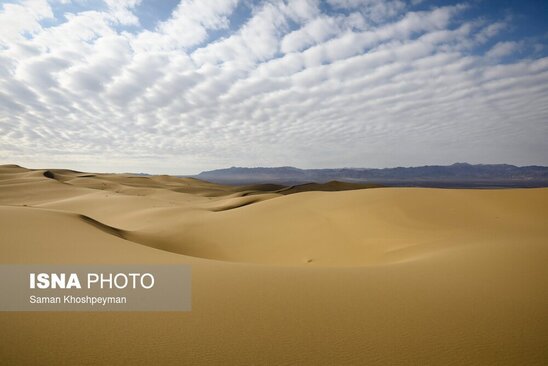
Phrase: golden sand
(384, 276)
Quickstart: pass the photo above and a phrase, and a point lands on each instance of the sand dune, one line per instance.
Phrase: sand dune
(384, 276)
(326, 187)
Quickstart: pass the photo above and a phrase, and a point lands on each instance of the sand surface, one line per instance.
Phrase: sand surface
(381, 276)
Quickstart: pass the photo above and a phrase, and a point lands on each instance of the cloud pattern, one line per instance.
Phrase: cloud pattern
(365, 83)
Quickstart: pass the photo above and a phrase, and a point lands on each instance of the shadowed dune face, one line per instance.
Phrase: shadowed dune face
(388, 276)
(333, 186)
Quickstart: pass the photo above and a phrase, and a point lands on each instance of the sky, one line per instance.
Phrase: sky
(178, 87)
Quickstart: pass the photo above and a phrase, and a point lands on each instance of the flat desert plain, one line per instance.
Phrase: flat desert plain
(378, 276)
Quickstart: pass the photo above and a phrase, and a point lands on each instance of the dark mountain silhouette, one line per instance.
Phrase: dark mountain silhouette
(456, 175)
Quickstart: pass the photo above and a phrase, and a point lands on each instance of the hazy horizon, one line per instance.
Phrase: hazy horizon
(33, 166)
(183, 87)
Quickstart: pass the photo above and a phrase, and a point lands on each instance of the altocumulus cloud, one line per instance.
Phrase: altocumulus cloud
(87, 85)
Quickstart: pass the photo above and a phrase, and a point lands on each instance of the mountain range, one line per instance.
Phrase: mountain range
(455, 175)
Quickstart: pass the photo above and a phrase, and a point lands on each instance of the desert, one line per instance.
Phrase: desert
(363, 276)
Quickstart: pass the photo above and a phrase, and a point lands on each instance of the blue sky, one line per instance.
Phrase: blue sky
(179, 87)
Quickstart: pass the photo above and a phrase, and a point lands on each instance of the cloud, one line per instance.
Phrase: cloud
(502, 49)
(362, 83)
(20, 19)
(121, 11)
(317, 31)
(374, 10)
(192, 19)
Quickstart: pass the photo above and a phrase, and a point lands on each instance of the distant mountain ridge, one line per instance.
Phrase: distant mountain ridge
(455, 175)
